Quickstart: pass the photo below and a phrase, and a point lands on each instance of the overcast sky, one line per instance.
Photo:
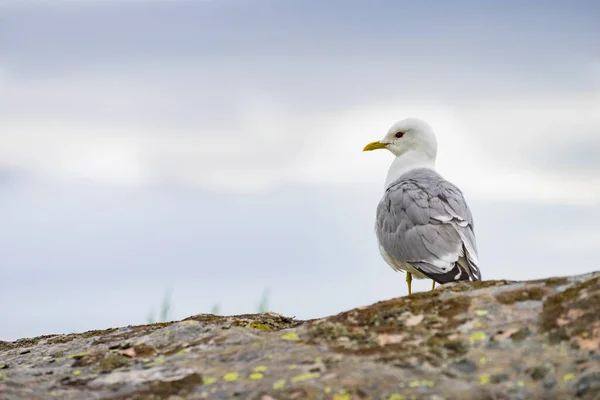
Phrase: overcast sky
(213, 148)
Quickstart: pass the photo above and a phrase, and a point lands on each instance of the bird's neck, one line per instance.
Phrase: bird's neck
(407, 162)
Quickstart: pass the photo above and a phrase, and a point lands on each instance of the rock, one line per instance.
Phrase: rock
(482, 340)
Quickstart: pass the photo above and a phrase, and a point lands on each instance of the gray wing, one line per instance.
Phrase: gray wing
(424, 220)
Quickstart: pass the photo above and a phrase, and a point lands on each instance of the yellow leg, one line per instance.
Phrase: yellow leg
(408, 282)
(432, 285)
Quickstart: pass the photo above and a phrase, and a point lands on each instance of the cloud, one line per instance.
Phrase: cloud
(138, 131)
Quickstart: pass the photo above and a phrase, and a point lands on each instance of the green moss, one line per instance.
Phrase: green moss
(68, 338)
(382, 317)
(62, 339)
(557, 308)
(556, 281)
(21, 343)
(521, 334)
(87, 358)
(328, 331)
(131, 332)
(513, 296)
(144, 350)
(166, 389)
(539, 372)
(469, 286)
(451, 308)
(431, 341)
(450, 347)
(499, 378)
(272, 321)
(113, 361)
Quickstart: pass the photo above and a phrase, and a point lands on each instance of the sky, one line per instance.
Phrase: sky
(212, 149)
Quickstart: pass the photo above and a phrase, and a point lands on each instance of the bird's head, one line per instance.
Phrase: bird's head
(410, 134)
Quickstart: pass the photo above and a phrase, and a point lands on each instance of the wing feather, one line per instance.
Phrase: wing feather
(424, 220)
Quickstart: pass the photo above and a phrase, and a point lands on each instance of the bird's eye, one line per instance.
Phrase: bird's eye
(399, 134)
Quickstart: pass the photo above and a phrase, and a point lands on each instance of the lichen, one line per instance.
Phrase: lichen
(260, 321)
(85, 335)
(306, 376)
(280, 384)
(583, 297)
(477, 336)
(556, 281)
(513, 296)
(539, 372)
(113, 361)
(207, 380)
(484, 379)
(231, 376)
(290, 336)
(263, 327)
(165, 389)
(21, 343)
(470, 286)
(426, 345)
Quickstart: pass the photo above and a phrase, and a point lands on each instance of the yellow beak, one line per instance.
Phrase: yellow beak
(375, 146)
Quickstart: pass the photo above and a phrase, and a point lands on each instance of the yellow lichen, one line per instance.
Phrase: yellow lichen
(290, 336)
(481, 313)
(231, 376)
(280, 384)
(262, 327)
(396, 396)
(342, 396)
(483, 379)
(483, 360)
(190, 322)
(306, 376)
(520, 383)
(260, 368)
(157, 361)
(568, 377)
(256, 376)
(76, 372)
(207, 380)
(477, 336)
(327, 389)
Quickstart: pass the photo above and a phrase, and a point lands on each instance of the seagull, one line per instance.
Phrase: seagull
(423, 224)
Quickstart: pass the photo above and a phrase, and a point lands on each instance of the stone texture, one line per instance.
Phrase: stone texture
(487, 340)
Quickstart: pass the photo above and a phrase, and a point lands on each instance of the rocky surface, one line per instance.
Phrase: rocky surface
(488, 340)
